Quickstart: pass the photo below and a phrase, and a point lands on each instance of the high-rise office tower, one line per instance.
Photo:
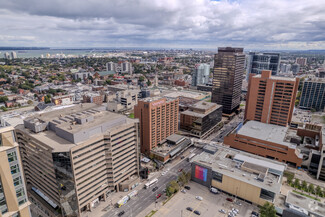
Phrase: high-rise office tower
(295, 68)
(285, 67)
(13, 194)
(256, 62)
(301, 61)
(228, 74)
(74, 157)
(6, 55)
(271, 99)
(158, 120)
(201, 74)
(313, 95)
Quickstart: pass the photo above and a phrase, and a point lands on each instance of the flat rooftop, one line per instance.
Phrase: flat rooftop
(306, 203)
(267, 132)
(63, 129)
(189, 94)
(232, 163)
(277, 78)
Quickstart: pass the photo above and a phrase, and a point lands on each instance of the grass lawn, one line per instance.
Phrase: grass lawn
(131, 115)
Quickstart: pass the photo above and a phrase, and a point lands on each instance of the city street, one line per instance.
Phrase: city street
(147, 197)
(228, 128)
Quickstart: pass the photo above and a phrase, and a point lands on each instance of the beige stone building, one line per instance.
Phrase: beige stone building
(75, 157)
(13, 197)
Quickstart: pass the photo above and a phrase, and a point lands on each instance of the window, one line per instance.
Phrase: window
(267, 195)
(20, 192)
(12, 156)
(14, 169)
(217, 176)
(17, 181)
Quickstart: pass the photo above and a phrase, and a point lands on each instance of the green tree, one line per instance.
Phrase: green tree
(47, 99)
(311, 188)
(172, 188)
(3, 108)
(109, 82)
(14, 89)
(304, 186)
(149, 83)
(296, 184)
(181, 179)
(318, 191)
(289, 180)
(268, 210)
(141, 78)
(3, 98)
(30, 102)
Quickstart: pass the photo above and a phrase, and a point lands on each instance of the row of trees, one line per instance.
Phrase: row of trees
(309, 188)
(174, 185)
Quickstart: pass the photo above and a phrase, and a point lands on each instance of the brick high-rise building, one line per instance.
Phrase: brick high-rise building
(271, 99)
(13, 195)
(228, 74)
(158, 120)
(301, 61)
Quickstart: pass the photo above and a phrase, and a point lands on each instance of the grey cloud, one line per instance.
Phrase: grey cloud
(205, 23)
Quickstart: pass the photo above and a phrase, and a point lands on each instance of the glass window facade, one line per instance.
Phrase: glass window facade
(217, 176)
(66, 184)
(267, 195)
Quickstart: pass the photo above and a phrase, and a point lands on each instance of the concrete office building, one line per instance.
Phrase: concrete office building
(74, 157)
(228, 74)
(124, 100)
(271, 99)
(257, 62)
(242, 175)
(13, 194)
(201, 119)
(266, 140)
(158, 119)
(313, 95)
(201, 74)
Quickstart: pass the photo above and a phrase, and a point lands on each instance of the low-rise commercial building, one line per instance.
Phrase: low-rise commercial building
(170, 147)
(74, 157)
(305, 205)
(13, 194)
(267, 140)
(201, 119)
(242, 175)
(124, 100)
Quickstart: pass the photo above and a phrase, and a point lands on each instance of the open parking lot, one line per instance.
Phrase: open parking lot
(208, 207)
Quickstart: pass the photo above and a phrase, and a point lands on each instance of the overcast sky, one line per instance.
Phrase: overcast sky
(252, 24)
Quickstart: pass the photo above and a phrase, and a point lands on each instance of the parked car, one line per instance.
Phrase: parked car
(180, 170)
(255, 213)
(187, 187)
(189, 209)
(197, 212)
(229, 199)
(155, 189)
(165, 190)
(163, 173)
(213, 190)
(182, 157)
(238, 203)
(183, 191)
(121, 213)
(198, 198)
(158, 195)
(222, 211)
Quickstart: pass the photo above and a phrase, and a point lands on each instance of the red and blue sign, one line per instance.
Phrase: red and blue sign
(201, 173)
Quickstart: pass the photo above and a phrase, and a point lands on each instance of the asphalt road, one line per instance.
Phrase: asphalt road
(227, 129)
(146, 197)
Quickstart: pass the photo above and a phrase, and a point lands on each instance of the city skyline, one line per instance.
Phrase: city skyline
(265, 25)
